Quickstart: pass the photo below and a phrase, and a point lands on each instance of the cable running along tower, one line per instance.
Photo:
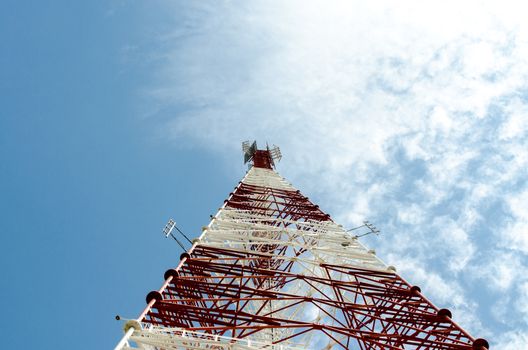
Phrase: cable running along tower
(273, 271)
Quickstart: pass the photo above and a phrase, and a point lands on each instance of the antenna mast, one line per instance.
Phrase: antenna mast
(273, 271)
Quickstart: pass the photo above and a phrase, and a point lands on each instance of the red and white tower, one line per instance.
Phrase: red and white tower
(273, 271)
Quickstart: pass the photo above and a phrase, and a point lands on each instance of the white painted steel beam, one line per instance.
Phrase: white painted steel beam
(322, 242)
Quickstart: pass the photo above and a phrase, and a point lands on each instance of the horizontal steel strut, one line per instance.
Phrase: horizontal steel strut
(273, 271)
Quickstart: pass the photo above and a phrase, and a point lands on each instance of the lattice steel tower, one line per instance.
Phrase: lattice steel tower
(273, 271)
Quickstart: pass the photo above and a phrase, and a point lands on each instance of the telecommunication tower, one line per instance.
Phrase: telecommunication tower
(272, 271)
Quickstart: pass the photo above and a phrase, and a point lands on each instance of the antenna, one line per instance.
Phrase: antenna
(249, 151)
(245, 146)
(276, 153)
(167, 231)
(371, 229)
(169, 227)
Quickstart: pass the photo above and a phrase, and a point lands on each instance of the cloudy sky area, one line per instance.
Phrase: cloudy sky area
(413, 115)
(117, 115)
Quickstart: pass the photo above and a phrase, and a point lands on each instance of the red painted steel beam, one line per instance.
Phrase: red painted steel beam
(198, 299)
(212, 288)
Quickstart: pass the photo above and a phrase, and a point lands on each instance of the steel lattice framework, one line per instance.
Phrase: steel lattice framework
(273, 271)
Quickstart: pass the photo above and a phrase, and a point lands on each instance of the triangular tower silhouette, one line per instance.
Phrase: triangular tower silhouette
(273, 271)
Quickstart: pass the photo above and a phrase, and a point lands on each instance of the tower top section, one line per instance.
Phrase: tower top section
(261, 158)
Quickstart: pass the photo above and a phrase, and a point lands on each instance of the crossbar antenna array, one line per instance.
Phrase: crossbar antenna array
(370, 229)
(167, 231)
(275, 153)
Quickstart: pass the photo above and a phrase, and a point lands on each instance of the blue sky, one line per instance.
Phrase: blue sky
(119, 115)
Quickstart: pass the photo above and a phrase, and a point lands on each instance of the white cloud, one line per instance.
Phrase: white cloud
(412, 214)
(440, 120)
(523, 299)
(502, 271)
(516, 231)
(513, 341)
(516, 124)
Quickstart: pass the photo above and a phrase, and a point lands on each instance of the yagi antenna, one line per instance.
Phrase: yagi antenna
(369, 226)
(167, 231)
(275, 153)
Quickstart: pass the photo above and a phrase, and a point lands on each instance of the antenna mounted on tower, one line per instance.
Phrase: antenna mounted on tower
(249, 151)
(275, 153)
(369, 226)
(265, 158)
